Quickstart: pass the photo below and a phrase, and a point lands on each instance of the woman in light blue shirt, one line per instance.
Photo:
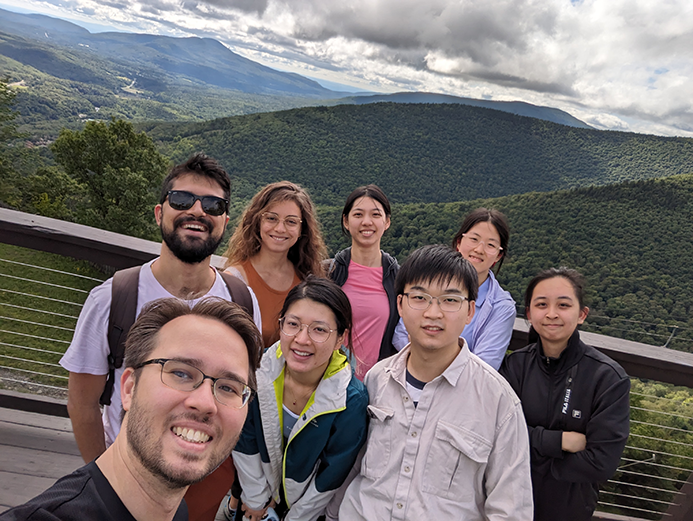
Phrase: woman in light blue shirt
(483, 240)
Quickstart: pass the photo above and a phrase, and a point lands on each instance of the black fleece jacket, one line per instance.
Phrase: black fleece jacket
(338, 271)
(583, 391)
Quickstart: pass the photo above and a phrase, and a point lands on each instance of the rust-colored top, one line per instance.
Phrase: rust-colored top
(270, 301)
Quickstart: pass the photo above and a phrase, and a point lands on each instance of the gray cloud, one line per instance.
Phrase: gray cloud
(614, 61)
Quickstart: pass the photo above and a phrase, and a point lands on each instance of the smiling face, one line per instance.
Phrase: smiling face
(303, 355)
(431, 329)
(279, 236)
(476, 247)
(366, 222)
(554, 313)
(180, 437)
(191, 235)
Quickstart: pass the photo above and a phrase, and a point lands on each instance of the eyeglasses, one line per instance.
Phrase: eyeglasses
(182, 200)
(446, 303)
(490, 247)
(273, 219)
(185, 377)
(317, 331)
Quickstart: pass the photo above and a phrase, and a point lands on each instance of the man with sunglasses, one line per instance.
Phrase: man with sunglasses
(447, 438)
(192, 216)
(177, 427)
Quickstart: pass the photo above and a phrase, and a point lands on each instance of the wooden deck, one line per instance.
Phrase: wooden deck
(35, 450)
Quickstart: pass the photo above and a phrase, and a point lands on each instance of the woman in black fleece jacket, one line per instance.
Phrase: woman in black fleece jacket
(575, 401)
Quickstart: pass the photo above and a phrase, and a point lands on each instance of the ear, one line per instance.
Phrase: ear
(345, 221)
(341, 339)
(399, 304)
(470, 311)
(226, 221)
(158, 211)
(127, 387)
(583, 314)
(387, 222)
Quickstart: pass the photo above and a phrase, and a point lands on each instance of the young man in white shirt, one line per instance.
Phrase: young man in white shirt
(447, 438)
(192, 216)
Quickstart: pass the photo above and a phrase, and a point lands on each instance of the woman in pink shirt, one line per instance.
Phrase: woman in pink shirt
(367, 276)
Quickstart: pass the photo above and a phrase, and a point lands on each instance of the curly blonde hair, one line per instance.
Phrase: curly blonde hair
(308, 252)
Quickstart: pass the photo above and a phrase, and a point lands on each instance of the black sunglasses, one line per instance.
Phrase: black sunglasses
(182, 200)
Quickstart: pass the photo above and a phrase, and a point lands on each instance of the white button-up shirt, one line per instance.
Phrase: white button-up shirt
(462, 453)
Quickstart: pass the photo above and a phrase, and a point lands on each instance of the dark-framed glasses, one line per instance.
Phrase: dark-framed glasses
(291, 222)
(492, 248)
(447, 303)
(211, 204)
(182, 376)
(317, 331)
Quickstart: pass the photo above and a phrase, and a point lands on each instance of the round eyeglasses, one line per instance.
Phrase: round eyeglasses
(182, 376)
(489, 247)
(317, 331)
(273, 219)
(446, 303)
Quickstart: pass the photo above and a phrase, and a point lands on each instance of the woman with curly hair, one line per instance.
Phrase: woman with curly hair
(276, 245)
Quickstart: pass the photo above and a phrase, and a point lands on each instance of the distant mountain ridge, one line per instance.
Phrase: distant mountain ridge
(420, 153)
(160, 62)
(192, 59)
(519, 108)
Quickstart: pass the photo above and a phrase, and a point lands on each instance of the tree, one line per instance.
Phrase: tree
(8, 132)
(121, 171)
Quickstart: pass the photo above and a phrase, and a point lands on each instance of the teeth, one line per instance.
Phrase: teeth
(301, 353)
(194, 227)
(190, 435)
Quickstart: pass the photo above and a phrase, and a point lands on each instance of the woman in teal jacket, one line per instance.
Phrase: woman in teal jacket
(308, 422)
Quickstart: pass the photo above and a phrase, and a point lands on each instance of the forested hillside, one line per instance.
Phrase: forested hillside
(419, 152)
(59, 87)
(633, 242)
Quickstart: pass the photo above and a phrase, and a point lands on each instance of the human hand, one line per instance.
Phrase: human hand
(573, 441)
(253, 515)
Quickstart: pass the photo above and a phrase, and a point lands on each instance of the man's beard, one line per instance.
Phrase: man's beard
(190, 251)
(147, 446)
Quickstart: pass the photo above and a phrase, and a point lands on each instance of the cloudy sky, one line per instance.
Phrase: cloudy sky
(615, 64)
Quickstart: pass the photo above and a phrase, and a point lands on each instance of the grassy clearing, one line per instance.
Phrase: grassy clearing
(39, 307)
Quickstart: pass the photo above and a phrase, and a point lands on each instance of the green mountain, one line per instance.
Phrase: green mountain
(166, 78)
(520, 108)
(632, 241)
(420, 152)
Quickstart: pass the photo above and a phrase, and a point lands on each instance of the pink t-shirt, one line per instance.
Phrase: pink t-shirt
(371, 310)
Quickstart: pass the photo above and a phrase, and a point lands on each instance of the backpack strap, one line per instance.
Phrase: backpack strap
(120, 320)
(239, 292)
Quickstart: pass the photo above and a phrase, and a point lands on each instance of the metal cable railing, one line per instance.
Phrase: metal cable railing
(658, 460)
(38, 305)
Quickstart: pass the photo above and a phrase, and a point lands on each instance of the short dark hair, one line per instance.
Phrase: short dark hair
(372, 191)
(201, 165)
(574, 277)
(483, 215)
(142, 337)
(437, 263)
(326, 292)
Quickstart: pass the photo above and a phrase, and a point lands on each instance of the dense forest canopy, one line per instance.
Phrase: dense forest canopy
(420, 152)
(633, 242)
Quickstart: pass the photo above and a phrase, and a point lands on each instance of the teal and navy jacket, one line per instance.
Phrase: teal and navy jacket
(321, 449)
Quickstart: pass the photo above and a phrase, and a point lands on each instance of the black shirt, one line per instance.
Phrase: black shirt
(84, 495)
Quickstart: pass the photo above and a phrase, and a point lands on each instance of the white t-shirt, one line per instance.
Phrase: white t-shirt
(89, 350)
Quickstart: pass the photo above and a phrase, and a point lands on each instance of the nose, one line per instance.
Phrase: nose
(433, 309)
(302, 335)
(197, 208)
(202, 398)
(552, 312)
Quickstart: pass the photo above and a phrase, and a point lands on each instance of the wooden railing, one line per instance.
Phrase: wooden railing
(119, 251)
